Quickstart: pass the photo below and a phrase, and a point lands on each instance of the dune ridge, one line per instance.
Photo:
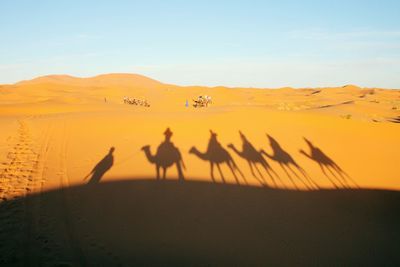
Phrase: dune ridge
(138, 78)
(106, 79)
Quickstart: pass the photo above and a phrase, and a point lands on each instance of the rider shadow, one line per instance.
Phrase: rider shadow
(326, 163)
(101, 168)
(255, 158)
(217, 155)
(287, 163)
(167, 155)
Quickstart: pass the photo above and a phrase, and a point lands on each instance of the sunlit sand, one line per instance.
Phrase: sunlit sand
(69, 145)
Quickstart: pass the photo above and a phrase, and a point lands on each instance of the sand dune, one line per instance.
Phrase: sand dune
(57, 131)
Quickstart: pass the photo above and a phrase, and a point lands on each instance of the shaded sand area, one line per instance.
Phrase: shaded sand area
(284, 176)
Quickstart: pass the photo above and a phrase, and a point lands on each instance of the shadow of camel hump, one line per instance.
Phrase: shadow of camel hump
(216, 155)
(326, 163)
(167, 155)
(101, 168)
(288, 164)
(253, 158)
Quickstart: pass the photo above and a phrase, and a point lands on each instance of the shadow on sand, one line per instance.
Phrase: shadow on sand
(287, 162)
(167, 155)
(326, 163)
(253, 158)
(216, 155)
(101, 168)
(172, 223)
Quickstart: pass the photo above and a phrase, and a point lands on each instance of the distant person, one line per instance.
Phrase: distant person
(187, 103)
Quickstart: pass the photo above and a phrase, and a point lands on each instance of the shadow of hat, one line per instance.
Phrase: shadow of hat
(168, 133)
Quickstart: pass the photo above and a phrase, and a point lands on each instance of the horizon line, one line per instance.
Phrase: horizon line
(193, 85)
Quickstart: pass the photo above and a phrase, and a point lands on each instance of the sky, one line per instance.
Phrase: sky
(233, 43)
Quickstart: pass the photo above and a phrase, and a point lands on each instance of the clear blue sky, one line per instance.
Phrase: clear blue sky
(233, 43)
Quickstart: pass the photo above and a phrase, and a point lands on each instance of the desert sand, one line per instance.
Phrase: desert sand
(314, 174)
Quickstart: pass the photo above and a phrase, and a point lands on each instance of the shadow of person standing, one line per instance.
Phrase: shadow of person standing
(101, 168)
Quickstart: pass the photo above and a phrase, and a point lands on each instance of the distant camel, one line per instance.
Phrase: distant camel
(285, 160)
(254, 157)
(167, 155)
(216, 154)
(326, 163)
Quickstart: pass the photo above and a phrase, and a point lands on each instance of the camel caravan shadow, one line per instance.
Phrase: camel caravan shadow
(287, 163)
(217, 155)
(254, 158)
(167, 155)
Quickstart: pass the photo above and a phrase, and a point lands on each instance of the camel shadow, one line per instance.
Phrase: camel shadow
(255, 158)
(167, 155)
(288, 164)
(216, 155)
(326, 163)
(101, 168)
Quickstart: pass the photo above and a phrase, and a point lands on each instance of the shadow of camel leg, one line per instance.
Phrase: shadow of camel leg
(258, 170)
(311, 181)
(340, 174)
(339, 170)
(298, 177)
(212, 171)
(251, 169)
(262, 176)
(323, 170)
(351, 179)
(337, 178)
(269, 169)
(220, 173)
(245, 180)
(343, 174)
(307, 177)
(180, 173)
(238, 170)
(271, 177)
(263, 183)
(288, 175)
(233, 172)
(158, 172)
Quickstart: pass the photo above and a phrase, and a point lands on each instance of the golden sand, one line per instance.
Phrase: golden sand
(262, 177)
(68, 125)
